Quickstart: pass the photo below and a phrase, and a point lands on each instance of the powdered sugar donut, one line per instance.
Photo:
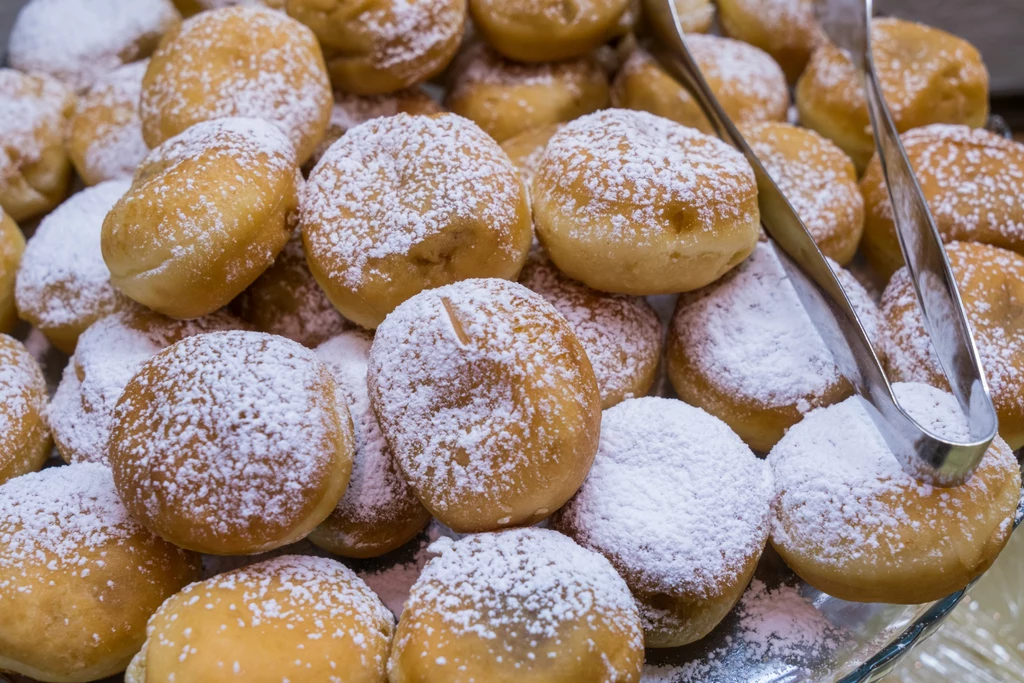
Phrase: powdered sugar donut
(628, 202)
(527, 149)
(525, 605)
(231, 443)
(488, 402)
(12, 246)
(991, 283)
(379, 512)
(238, 61)
(63, 285)
(788, 30)
(190, 7)
(290, 618)
(24, 434)
(853, 524)
(680, 506)
(207, 213)
(76, 566)
(407, 203)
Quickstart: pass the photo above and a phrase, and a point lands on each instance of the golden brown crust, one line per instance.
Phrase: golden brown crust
(527, 149)
(24, 434)
(786, 29)
(12, 245)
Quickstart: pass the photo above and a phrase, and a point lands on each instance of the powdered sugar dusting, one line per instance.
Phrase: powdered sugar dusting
(24, 394)
(115, 145)
(779, 623)
(745, 75)
(403, 33)
(33, 108)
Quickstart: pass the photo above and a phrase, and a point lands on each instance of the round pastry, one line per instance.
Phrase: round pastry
(238, 61)
(12, 246)
(819, 181)
(76, 567)
(621, 334)
(407, 203)
(746, 81)
(207, 213)
(527, 149)
(231, 443)
(850, 522)
(972, 181)
(291, 618)
(628, 202)
(190, 7)
(384, 46)
(522, 606)
(107, 356)
(105, 140)
(926, 75)
(991, 283)
(24, 434)
(680, 506)
(788, 30)
(78, 41)
(34, 167)
(488, 402)
(549, 30)
(744, 350)
(379, 512)
(287, 301)
(506, 98)
(63, 285)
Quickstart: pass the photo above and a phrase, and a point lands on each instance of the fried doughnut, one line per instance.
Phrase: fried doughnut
(24, 434)
(548, 30)
(972, 180)
(680, 506)
(506, 98)
(488, 402)
(745, 350)
(379, 512)
(850, 522)
(380, 47)
(290, 618)
(34, 167)
(819, 181)
(207, 213)
(190, 7)
(621, 334)
(926, 75)
(407, 203)
(632, 203)
(518, 606)
(78, 41)
(788, 30)
(12, 246)
(231, 443)
(105, 139)
(747, 82)
(78, 576)
(63, 285)
(527, 149)
(239, 61)
(991, 283)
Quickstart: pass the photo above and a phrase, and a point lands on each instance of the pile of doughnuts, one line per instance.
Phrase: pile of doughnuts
(285, 283)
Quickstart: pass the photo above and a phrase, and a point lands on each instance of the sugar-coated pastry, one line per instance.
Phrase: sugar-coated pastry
(488, 402)
(746, 81)
(291, 618)
(24, 433)
(788, 30)
(231, 443)
(680, 506)
(744, 349)
(506, 98)
(991, 283)
(105, 139)
(190, 7)
(695, 16)
(12, 246)
(527, 149)
(850, 522)
(972, 180)
(517, 606)
(79, 577)
(621, 334)
(34, 166)
(383, 46)
(379, 511)
(547, 30)
(78, 41)
(238, 61)
(628, 202)
(207, 213)
(63, 285)
(819, 181)
(927, 76)
(406, 203)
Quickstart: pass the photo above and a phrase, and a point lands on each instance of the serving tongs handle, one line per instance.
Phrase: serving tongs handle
(924, 455)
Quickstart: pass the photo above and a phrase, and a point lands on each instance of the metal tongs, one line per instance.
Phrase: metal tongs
(923, 454)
